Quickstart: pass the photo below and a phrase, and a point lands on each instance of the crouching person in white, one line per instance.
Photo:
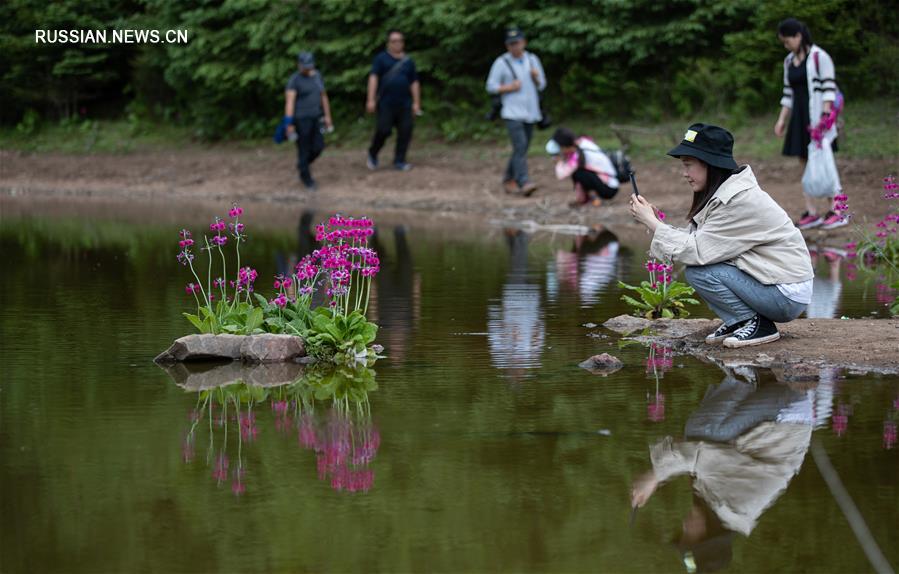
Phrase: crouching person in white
(743, 255)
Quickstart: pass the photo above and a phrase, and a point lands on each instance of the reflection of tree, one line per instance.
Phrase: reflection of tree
(343, 436)
(515, 328)
(396, 296)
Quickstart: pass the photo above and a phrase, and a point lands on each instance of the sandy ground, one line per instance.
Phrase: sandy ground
(461, 184)
(806, 346)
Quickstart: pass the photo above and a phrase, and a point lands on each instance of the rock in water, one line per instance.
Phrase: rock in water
(271, 348)
(202, 347)
(604, 364)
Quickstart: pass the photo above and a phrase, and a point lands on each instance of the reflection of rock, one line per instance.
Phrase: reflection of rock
(666, 328)
(797, 372)
(271, 348)
(265, 348)
(200, 377)
(202, 348)
(604, 364)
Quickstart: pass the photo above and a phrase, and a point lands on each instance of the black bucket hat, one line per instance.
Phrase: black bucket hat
(711, 144)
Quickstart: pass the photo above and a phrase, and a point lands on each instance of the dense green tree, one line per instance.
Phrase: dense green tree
(615, 57)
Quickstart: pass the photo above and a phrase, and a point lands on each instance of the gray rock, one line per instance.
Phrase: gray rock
(271, 348)
(664, 328)
(604, 364)
(202, 347)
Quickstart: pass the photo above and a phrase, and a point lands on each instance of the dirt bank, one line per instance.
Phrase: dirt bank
(806, 345)
(456, 183)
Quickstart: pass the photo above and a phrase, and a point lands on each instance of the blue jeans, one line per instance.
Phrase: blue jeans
(736, 296)
(520, 134)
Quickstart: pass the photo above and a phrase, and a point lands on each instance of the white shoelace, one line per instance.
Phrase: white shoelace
(747, 329)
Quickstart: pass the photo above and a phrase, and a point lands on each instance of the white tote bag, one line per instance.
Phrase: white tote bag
(821, 178)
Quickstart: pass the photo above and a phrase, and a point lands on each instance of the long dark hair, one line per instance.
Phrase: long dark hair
(791, 27)
(714, 178)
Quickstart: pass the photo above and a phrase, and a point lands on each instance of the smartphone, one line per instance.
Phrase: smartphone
(633, 177)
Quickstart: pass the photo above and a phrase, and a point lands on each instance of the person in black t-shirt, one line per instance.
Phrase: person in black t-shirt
(395, 94)
(306, 101)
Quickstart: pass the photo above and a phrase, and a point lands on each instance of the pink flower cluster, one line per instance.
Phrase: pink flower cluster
(655, 267)
(218, 226)
(192, 288)
(185, 256)
(889, 187)
(839, 203)
(246, 276)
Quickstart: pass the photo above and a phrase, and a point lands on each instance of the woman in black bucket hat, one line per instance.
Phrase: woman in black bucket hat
(743, 255)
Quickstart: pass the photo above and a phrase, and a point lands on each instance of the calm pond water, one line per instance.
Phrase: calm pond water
(477, 445)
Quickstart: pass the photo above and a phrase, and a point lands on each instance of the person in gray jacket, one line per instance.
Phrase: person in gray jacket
(518, 77)
(742, 253)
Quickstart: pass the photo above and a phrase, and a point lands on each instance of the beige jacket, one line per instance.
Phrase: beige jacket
(743, 226)
(738, 481)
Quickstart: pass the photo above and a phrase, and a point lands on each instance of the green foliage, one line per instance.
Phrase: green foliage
(340, 339)
(662, 301)
(613, 58)
(241, 318)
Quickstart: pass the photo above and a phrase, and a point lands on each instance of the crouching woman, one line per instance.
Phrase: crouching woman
(743, 255)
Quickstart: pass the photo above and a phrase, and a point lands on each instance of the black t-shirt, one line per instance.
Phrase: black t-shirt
(309, 95)
(395, 92)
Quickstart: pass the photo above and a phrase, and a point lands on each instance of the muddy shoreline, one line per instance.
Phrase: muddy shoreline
(806, 346)
(459, 186)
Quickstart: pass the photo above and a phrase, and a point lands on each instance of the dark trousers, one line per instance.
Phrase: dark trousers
(520, 135)
(590, 181)
(388, 117)
(310, 144)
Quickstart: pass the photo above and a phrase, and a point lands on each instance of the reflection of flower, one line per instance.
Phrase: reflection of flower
(660, 359)
(889, 434)
(220, 470)
(344, 450)
(655, 410)
(841, 419)
(345, 445)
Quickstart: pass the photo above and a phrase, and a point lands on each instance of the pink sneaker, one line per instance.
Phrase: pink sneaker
(808, 221)
(832, 221)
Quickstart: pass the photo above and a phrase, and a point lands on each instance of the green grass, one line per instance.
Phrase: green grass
(871, 131)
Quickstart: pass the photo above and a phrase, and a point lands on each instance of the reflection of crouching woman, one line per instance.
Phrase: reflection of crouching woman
(744, 256)
(590, 169)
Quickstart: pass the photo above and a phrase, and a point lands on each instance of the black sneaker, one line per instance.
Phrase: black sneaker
(755, 331)
(723, 332)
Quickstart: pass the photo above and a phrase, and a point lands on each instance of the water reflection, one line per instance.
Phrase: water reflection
(826, 290)
(396, 295)
(516, 329)
(742, 446)
(327, 409)
(586, 268)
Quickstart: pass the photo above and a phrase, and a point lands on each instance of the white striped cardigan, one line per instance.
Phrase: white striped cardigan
(822, 85)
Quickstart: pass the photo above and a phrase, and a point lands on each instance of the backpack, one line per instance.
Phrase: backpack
(621, 163)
